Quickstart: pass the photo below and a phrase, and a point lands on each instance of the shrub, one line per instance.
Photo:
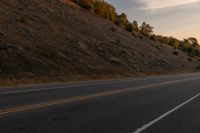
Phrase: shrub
(153, 37)
(87, 4)
(190, 59)
(129, 27)
(197, 67)
(121, 20)
(174, 42)
(146, 29)
(134, 34)
(110, 12)
(105, 10)
(175, 53)
(135, 26)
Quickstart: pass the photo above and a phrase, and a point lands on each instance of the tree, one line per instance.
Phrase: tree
(99, 8)
(87, 4)
(174, 42)
(192, 41)
(129, 27)
(146, 29)
(191, 46)
(105, 10)
(110, 12)
(121, 20)
(184, 45)
(135, 26)
(163, 39)
(153, 37)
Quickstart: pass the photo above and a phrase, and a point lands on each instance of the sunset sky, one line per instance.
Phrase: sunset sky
(178, 18)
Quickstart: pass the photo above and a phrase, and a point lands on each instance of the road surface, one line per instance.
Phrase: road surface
(157, 104)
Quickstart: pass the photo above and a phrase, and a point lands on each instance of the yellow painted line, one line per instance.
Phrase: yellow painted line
(81, 98)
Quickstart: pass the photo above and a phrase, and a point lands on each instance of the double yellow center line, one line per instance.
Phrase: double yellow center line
(4, 112)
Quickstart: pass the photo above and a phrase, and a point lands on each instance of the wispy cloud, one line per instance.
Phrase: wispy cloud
(159, 4)
(152, 4)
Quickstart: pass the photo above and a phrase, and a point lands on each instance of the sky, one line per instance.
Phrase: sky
(177, 18)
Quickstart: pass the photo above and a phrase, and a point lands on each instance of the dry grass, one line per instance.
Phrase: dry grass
(48, 41)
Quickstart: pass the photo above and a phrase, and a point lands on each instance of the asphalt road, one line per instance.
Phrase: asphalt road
(157, 104)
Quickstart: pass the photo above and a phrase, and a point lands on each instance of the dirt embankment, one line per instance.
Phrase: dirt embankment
(47, 40)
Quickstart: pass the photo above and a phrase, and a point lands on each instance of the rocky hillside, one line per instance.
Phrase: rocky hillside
(51, 40)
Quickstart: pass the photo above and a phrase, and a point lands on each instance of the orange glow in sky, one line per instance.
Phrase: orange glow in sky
(178, 18)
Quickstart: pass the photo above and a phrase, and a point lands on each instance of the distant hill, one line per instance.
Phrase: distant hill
(52, 40)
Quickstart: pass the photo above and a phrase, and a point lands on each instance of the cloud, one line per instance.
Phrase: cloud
(158, 4)
(128, 4)
(139, 5)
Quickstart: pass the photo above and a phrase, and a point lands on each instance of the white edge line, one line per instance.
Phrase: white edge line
(144, 127)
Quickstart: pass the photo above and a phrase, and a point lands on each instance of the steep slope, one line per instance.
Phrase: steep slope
(49, 40)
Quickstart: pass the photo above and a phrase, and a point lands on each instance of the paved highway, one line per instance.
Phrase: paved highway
(157, 104)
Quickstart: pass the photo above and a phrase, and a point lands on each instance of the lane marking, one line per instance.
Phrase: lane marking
(67, 86)
(71, 86)
(81, 98)
(144, 127)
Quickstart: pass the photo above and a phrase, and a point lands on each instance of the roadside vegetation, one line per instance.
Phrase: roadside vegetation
(108, 11)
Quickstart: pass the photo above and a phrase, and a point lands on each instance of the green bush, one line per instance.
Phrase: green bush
(174, 42)
(121, 20)
(135, 26)
(105, 10)
(146, 29)
(88, 5)
(129, 27)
